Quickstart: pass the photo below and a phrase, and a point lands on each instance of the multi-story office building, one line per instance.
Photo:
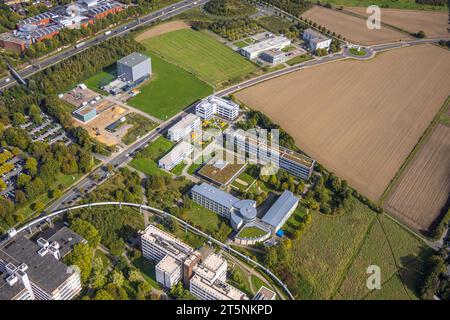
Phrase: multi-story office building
(237, 211)
(12, 289)
(259, 150)
(316, 40)
(167, 252)
(281, 210)
(36, 266)
(189, 124)
(208, 282)
(175, 156)
(213, 105)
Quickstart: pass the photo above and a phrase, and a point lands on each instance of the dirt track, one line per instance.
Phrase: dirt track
(425, 186)
(352, 28)
(434, 24)
(359, 118)
(161, 29)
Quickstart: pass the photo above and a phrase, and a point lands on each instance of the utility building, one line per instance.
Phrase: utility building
(134, 67)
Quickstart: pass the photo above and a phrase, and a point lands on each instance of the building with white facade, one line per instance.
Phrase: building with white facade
(261, 152)
(37, 268)
(254, 50)
(214, 105)
(189, 124)
(281, 210)
(239, 212)
(168, 252)
(175, 156)
(316, 40)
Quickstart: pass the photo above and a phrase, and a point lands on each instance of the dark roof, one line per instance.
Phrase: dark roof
(8, 292)
(65, 237)
(47, 272)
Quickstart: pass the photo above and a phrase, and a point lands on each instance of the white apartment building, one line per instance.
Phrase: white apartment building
(168, 271)
(37, 268)
(316, 40)
(167, 251)
(190, 123)
(254, 50)
(214, 105)
(175, 156)
(208, 282)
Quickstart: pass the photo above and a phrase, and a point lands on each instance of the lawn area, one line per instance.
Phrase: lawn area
(355, 51)
(257, 283)
(408, 250)
(207, 220)
(201, 55)
(102, 78)
(193, 168)
(147, 269)
(146, 160)
(394, 4)
(251, 232)
(169, 90)
(299, 59)
(178, 169)
(295, 219)
(140, 126)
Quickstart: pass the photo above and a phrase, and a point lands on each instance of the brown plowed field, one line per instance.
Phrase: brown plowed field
(434, 24)
(353, 28)
(359, 118)
(424, 189)
(162, 29)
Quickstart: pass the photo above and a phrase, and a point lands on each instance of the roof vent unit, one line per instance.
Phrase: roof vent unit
(42, 252)
(12, 280)
(42, 243)
(12, 232)
(23, 267)
(55, 245)
(10, 268)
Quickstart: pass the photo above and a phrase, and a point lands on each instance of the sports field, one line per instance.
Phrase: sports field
(170, 90)
(434, 24)
(353, 28)
(422, 193)
(200, 54)
(360, 119)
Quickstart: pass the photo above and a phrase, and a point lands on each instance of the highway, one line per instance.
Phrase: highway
(162, 14)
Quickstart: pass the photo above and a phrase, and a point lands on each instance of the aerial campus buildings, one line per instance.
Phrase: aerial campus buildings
(243, 212)
(202, 271)
(254, 50)
(187, 125)
(48, 24)
(33, 269)
(316, 40)
(175, 156)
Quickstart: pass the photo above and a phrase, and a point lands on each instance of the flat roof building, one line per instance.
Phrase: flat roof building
(187, 125)
(254, 50)
(12, 289)
(214, 105)
(273, 56)
(315, 40)
(264, 294)
(134, 67)
(168, 271)
(38, 267)
(281, 210)
(218, 290)
(85, 113)
(176, 155)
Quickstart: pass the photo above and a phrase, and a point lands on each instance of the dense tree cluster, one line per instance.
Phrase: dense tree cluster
(235, 29)
(433, 277)
(432, 2)
(294, 7)
(228, 8)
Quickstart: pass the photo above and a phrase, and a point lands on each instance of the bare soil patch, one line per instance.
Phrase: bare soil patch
(353, 28)
(360, 119)
(434, 24)
(424, 189)
(161, 29)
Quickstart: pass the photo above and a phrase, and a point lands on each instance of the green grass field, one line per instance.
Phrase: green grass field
(331, 257)
(396, 4)
(146, 160)
(355, 51)
(207, 220)
(251, 232)
(299, 59)
(193, 168)
(170, 90)
(201, 55)
(178, 168)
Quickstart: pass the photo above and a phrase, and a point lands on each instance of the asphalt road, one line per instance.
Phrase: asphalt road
(162, 14)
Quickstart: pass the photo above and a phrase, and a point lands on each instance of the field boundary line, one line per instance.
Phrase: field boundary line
(352, 259)
(406, 163)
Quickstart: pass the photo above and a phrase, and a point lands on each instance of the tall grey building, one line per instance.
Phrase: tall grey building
(134, 67)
